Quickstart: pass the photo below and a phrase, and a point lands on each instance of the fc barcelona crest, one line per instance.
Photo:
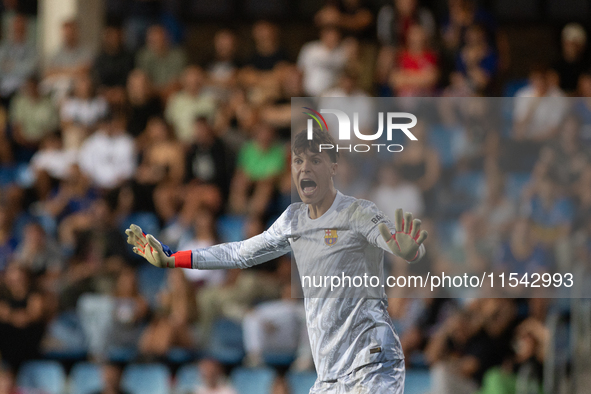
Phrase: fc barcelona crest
(330, 237)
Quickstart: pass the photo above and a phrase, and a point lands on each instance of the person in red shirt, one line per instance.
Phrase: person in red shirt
(415, 72)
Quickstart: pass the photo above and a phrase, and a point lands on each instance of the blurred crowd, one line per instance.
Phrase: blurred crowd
(198, 154)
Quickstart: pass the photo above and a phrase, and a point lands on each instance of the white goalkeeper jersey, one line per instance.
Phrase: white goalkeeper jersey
(348, 326)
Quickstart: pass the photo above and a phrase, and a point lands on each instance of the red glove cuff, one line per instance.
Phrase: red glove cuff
(183, 259)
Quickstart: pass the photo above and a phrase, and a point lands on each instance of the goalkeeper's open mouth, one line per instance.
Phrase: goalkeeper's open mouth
(307, 186)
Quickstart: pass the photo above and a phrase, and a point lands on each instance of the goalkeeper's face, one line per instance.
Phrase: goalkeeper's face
(312, 174)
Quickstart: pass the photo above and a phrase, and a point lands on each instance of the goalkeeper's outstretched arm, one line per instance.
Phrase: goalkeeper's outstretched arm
(271, 244)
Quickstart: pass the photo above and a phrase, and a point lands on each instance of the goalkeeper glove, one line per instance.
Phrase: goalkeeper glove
(157, 254)
(407, 239)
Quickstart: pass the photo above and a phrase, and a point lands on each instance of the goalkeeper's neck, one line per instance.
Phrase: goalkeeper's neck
(317, 209)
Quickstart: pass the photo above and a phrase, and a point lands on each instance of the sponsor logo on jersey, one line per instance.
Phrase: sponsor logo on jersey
(330, 236)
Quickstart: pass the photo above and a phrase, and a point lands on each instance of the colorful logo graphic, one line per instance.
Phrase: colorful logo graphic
(330, 236)
(315, 116)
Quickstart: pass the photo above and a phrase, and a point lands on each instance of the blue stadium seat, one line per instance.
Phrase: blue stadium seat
(417, 381)
(252, 380)
(187, 378)
(146, 379)
(230, 228)
(46, 375)
(301, 382)
(279, 359)
(514, 184)
(85, 378)
(66, 330)
(226, 343)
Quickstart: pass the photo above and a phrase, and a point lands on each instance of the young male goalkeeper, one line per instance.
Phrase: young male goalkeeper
(354, 344)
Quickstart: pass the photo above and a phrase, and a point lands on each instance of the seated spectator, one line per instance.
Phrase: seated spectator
(322, 61)
(213, 379)
(419, 163)
(38, 253)
(392, 187)
(22, 314)
(260, 162)
(175, 313)
(143, 103)
(162, 63)
(415, 70)
(107, 157)
(130, 312)
(525, 367)
(85, 109)
(395, 19)
(221, 71)
(522, 253)
(189, 103)
(468, 344)
(112, 65)
(161, 171)
(276, 327)
(111, 379)
(8, 381)
(32, 115)
(268, 51)
(476, 60)
(574, 59)
(71, 59)
(351, 16)
(18, 59)
(52, 160)
(550, 211)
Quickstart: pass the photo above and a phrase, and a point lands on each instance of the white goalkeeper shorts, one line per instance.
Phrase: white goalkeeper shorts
(378, 378)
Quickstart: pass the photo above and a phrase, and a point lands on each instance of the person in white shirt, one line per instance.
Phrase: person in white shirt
(355, 346)
(322, 61)
(107, 157)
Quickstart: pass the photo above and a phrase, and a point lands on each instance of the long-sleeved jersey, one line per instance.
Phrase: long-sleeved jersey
(348, 327)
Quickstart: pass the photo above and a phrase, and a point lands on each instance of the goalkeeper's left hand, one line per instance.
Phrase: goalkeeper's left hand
(408, 237)
(157, 254)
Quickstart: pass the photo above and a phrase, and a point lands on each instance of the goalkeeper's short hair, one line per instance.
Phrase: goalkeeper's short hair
(301, 143)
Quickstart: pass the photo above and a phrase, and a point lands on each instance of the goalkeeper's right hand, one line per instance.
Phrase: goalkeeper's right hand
(157, 254)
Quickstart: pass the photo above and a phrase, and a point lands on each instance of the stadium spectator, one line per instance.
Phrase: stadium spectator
(392, 187)
(395, 19)
(8, 382)
(8, 241)
(260, 162)
(162, 63)
(351, 16)
(143, 103)
(130, 312)
(71, 59)
(415, 70)
(85, 109)
(574, 59)
(188, 104)
(419, 163)
(39, 253)
(213, 379)
(160, 173)
(221, 71)
(112, 65)
(322, 61)
(52, 162)
(111, 379)
(140, 16)
(22, 314)
(18, 59)
(522, 252)
(175, 313)
(268, 52)
(276, 327)
(107, 157)
(32, 115)
(476, 60)
(469, 343)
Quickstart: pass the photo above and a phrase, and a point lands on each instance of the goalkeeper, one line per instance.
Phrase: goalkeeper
(354, 344)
